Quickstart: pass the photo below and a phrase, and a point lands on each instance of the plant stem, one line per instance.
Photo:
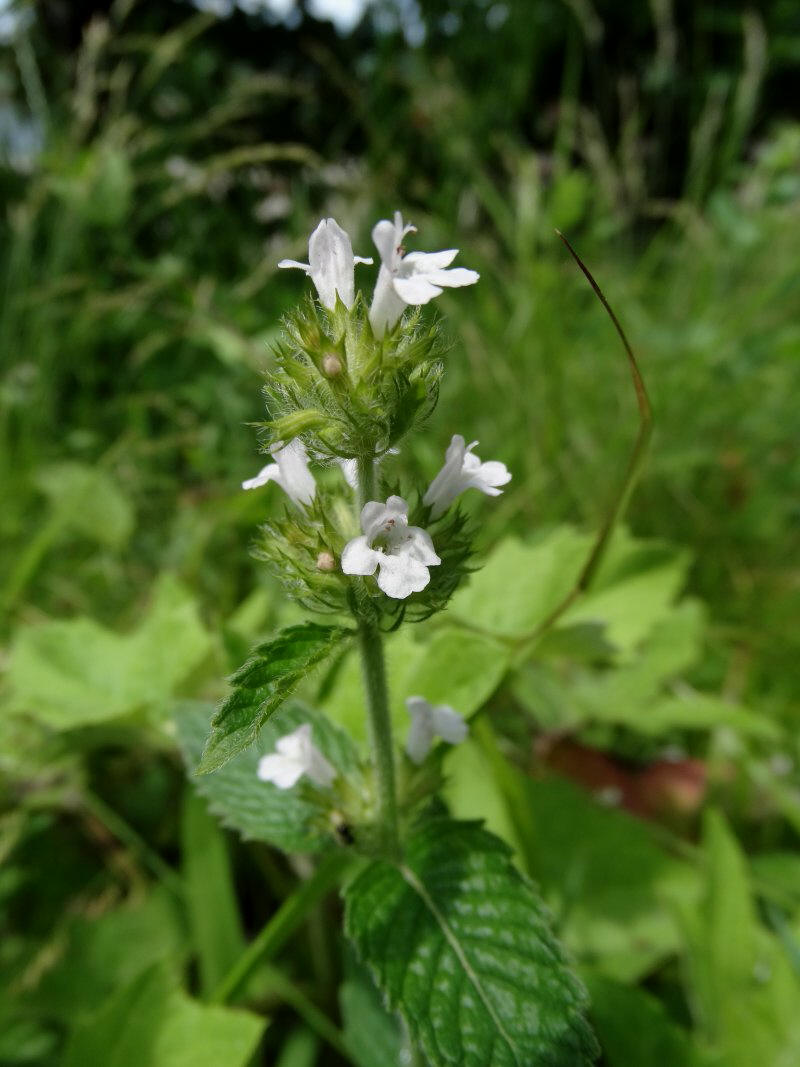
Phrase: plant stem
(283, 923)
(373, 669)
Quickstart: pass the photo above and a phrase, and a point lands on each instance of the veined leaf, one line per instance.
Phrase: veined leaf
(459, 944)
(262, 684)
(290, 819)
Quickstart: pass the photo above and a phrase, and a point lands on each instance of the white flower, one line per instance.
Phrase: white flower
(463, 470)
(290, 471)
(349, 469)
(403, 279)
(429, 721)
(400, 553)
(296, 755)
(330, 263)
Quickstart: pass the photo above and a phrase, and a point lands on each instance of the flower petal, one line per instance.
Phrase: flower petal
(423, 262)
(420, 737)
(448, 724)
(386, 239)
(359, 558)
(416, 289)
(400, 576)
(453, 278)
(280, 770)
(417, 545)
(330, 255)
(294, 263)
(270, 473)
(296, 479)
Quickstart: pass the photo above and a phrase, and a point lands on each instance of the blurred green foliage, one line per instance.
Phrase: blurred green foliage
(156, 164)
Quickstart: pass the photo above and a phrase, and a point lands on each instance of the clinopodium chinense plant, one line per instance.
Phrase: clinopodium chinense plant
(455, 938)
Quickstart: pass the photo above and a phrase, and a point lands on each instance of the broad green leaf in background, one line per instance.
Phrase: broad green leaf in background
(448, 665)
(372, 1034)
(71, 673)
(153, 1022)
(744, 991)
(604, 874)
(262, 684)
(635, 1030)
(210, 893)
(87, 500)
(459, 944)
(103, 954)
(521, 583)
(290, 819)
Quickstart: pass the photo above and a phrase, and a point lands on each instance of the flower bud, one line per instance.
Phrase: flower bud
(331, 365)
(326, 562)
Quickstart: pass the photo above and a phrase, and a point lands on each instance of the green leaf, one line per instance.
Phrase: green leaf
(88, 501)
(262, 684)
(295, 820)
(604, 870)
(744, 991)
(521, 583)
(653, 1041)
(71, 673)
(459, 943)
(210, 893)
(103, 954)
(153, 1022)
(372, 1034)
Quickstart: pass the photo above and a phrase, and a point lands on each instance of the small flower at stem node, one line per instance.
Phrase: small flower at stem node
(326, 562)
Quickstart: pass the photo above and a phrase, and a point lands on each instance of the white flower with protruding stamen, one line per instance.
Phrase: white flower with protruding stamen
(408, 279)
(290, 471)
(330, 263)
(429, 721)
(463, 470)
(296, 755)
(400, 553)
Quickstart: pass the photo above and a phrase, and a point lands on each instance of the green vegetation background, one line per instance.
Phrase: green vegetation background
(157, 163)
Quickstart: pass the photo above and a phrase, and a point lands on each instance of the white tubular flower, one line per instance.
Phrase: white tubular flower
(463, 470)
(296, 755)
(400, 553)
(330, 263)
(290, 471)
(349, 468)
(403, 279)
(429, 721)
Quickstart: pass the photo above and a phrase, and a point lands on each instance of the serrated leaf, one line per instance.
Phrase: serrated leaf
(294, 820)
(459, 944)
(153, 1022)
(262, 684)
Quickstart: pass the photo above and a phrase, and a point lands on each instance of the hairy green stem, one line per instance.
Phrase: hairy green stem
(282, 925)
(373, 669)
